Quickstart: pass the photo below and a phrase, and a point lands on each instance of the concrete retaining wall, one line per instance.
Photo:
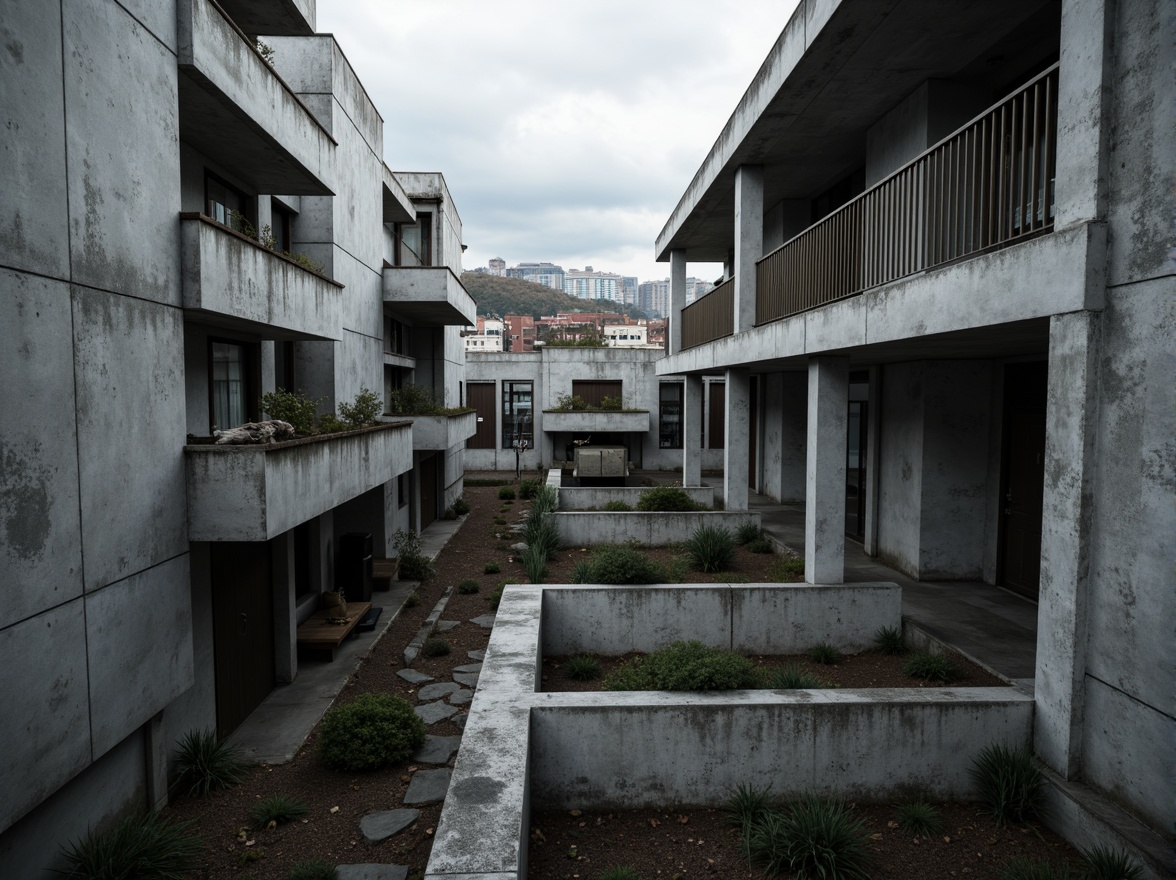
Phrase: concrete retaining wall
(595, 498)
(584, 528)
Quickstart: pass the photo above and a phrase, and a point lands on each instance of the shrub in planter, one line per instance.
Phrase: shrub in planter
(617, 564)
(414, 566)
(374, 731)
(461, 507)
(535, 563)
(528, 488)
(138, 846)
(582, 667)
(506, 493)
(710, 549)
(293, 407)
(435, 647)
(491, 568)
(363, 411)
(468, 587)
(787, 570)
(761, 545)
(278, 809)
(825, 653)
(930, 667)
(747, 533)
(1009, 782)
(206, 763)
(618, 506)
(793, 677)
(817, 837)
(686, 666)
(666, 498)
(890, 640)
(919, 818)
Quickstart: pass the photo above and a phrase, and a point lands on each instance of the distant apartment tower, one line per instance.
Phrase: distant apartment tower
(547, 274)
(588, 284)
(497, 267)
(696, 287)
(629, 285)
(653, 297)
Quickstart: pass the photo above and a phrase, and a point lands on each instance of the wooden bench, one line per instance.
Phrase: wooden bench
(383, 573)
(319, 635)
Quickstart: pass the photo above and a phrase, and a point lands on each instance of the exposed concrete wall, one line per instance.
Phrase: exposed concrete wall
(784, 418)
(584, 528)
(592, 498)
(901, 466)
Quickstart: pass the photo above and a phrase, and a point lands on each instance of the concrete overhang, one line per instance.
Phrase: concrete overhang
(237, 111)
(436, 433)
(231, 281)
(428, 296)
(279, 18)
(398, 206)
(255, 493)
(837, 67)
(578, 422)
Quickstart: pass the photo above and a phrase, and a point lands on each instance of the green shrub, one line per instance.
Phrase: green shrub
(495, 598)
(582, 667)
(412, 600)
(612, 402)
(374, 731)
(414, 566)
(793, 677)
(788, 570)
(535, 563)
(329, 423)
(414, 400)
(825, 653)
(710, 549)
(582, 572)
(528, 488)
(206, 763)
(816, 838)
(491, 568)
(138, 846)
(468, 587)
(618, 564)
(1009, 783)
(919, 818)
(278, 809)
(747, 533)
(666, 498)
(435, 647)
(546, 499)
(506, 493)
(542, 536)
(293, 407)
(313, 869)
(460, 506)
(618, 506)
(449, 514)
(1104, 863)
(685, 666)
(363, 411)
(619, 872)
(1032, 869)
(890, 640)
(570, 403)
(761, 545)
(930, 667)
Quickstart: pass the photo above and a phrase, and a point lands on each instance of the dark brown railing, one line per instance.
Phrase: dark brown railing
(988, 185)
(710, 317)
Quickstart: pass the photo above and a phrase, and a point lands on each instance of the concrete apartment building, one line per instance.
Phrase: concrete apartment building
(947, 326)
(547, 274)
(153, 584)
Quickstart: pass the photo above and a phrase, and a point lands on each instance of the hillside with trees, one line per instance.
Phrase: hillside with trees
(500, 296)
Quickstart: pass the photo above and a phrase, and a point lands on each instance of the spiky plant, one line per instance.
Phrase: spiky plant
(1009, 781)
(206, 763)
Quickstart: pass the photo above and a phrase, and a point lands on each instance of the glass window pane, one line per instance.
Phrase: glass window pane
(228, 385)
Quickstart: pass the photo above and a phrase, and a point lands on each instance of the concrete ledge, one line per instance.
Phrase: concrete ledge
(442, 432)
(595, 422)
(656, 529)
(595, 498)
(429, 296)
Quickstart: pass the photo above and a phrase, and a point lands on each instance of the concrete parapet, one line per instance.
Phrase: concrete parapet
(654, 529)
(442, 432)
(596, 497)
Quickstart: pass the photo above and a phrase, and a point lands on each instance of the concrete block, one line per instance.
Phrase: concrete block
(40, 534)
(139, 648)
(45, 724)
(34, 231)
(127, 366)
(124, 234)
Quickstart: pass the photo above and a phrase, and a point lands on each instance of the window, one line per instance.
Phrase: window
(592, 391)
(232, 383)
(414, 242)
(284, 365)
(717, 415)
(225, 203)
(516, 414)
(280, 227)
(669, 415)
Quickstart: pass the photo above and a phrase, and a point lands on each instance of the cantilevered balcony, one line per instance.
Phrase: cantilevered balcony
(428, 296)
(431, 433)
(278, 18)
(232, 281)
(595, 421)
(238, 112)
(254, 493)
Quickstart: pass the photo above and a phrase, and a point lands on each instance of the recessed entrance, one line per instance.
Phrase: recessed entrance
(1023, 477)
(243, 629)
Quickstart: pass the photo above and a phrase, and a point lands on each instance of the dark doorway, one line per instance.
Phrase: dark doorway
(752, 430)
(243, 630)
(427, 474)
(855, 455)
(716, 416)
(481, 398)
(1023, 477)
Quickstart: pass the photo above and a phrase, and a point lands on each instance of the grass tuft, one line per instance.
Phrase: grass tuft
(748, 805)
(919, 818)
(618, 506)
(1032, 869)
(890, 640)
(506, 493)
(816, 838)
(747, 533)
(684, 666)
(535, 563)
(788, 570)
(1105, 863)
(930, 667)
(435, 647)
(491, 568)
(793, 677)
(278, 809)
(1009, 783)
(468, 587)
(206, 763)
(825, 654)
(137, 846)
(582, 667)
(666, 498)
(710, 549)
(761, 545)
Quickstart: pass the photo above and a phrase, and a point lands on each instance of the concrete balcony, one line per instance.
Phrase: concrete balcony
(428, 296)
(254, 493)
(596, 422)
(441, 432)
(230, 280)
(278, 18)
(238, 112)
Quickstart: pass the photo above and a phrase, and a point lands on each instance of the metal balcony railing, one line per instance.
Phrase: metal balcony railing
(989, 185)
(710, 317)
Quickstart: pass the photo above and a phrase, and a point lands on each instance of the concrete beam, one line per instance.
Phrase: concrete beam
(737, 445)
(749, 240)
(824, 521)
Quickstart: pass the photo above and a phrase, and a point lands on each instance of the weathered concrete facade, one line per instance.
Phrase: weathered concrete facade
(1011, 404)
(169, 192)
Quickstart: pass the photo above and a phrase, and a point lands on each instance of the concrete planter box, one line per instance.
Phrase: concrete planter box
(236, 110)
(254, 493)
(232, 277)
(523, 749)
(594, 498)
(442, 432)
(615, 422)
(655, 529)
(429, 296)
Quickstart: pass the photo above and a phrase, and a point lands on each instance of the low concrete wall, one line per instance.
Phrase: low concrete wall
(760, 618)
(657, 529)
(596, 497)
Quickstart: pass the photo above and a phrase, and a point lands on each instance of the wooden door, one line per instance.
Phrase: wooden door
(1023, 466)
(243, 630)
(481, 398)
(427, 474)
(717, 415)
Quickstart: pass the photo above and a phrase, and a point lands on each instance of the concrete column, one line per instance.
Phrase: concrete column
(1067, 512)
(155, 753)
(873, 449)
(677, 298)
(737, 423)
(824, 520)
(692, 432)
(285, 608)
(749, 240)
(268, 367)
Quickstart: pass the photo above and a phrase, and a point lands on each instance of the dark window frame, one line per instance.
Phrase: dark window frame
(510, 417)
(251, 392)
(248, 203)
(669, 415)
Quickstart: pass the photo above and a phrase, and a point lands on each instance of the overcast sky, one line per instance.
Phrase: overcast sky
(566, 130)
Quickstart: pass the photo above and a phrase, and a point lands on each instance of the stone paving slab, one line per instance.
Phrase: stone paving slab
(414, 677)
(447, 625)
(428, 786)
(469, 679)
(437, 750)
(476, 655)
(486, 621)
(460, 720)
(436, 691)
(461, 697)
(372, 872)
(414, 647)
(469, 667)
(431, 713)
(380, 826)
